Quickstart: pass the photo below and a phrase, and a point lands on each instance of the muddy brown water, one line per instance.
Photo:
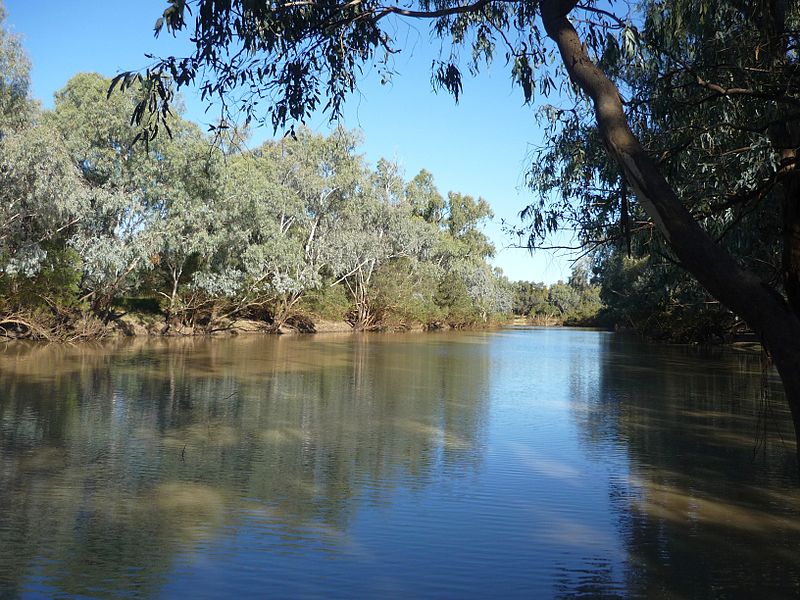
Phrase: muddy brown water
(518, 463)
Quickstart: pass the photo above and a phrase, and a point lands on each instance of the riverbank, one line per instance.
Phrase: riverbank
(143, 325)
(154, 325)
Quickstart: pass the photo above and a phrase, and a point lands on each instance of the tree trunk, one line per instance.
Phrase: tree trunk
(785, 138)
(791, 226)
(763, 308)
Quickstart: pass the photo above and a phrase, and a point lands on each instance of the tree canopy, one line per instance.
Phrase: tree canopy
(201, 233)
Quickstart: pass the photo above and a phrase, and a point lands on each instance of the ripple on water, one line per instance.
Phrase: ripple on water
(525, 463)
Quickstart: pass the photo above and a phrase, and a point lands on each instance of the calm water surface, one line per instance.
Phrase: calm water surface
(521, 463)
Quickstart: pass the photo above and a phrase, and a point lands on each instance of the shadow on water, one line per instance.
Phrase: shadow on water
(120, 461)
(711, 505)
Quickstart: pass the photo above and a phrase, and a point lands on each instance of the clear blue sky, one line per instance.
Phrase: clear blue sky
(477, 147)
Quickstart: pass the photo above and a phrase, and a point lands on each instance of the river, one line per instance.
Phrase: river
(520, 463)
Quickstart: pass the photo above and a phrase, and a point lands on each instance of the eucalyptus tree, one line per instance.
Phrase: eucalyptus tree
(193, 224)
(16, 105)
(325, 173)
(133, 184)
(41, 194)
(462, 252)
(296, 53)
(278, 211)
(464, 218)
(322, 179)
(42, 199)
(488, 290)
(404, 292)
(233, 218)
(272, 270)
(392, 246)
(528, 296)
(376, 230)
(425, 199)
(388, 183)
(717, 149)
(409, 289)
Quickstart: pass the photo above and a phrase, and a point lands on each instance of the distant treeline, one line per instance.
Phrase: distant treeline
(647, 294)
(644, 294)
(576, 302)
(198, 230)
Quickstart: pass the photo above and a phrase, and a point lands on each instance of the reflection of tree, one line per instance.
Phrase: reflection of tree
(710, 508)
(116, 457)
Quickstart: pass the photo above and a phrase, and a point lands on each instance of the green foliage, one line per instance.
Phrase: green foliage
(531, 299)
(426, 201)
(54, 284)
(453, 298)
(295, 226)
(404, 293)
(41, 197)
(711, 92)
(654, 297)
(131, 186)
(709, 87)
(16, 107)
(211, 230)
(305, 57)
(326, 302)
(577, 302)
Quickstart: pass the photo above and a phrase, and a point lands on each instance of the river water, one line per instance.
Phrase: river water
(521, 463)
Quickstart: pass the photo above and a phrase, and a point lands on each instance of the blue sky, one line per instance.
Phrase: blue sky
(478, 146)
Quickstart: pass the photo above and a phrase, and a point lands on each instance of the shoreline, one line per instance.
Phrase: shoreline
(132, 327)
(152, 326)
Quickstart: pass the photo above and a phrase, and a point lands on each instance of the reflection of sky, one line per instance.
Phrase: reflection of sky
(533, 519)
(538, 456)
(519, 463)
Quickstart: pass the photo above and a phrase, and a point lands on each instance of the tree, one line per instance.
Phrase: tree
(193, 224)
(204, 231)
(323, 177)
(264, 264)
(575, 302)
(375, 230)
(132, 186)
(772, 315)
(716, 151)
(42, 197)
(16, 106)
(403, 292)
(425, 199)
(528, 297)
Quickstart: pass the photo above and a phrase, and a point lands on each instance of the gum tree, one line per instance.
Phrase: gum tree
(131, 185)
(16, 106)
(42, 196)
(376, 231)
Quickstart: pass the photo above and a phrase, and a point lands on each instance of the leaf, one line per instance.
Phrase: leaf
(114, 83)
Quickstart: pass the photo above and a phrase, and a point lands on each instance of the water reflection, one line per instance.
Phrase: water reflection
(117, 458)
(515, 464)
(711, 504)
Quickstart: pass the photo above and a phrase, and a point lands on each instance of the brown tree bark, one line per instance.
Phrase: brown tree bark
(762, 307)
(785, 138)
(791, 232)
